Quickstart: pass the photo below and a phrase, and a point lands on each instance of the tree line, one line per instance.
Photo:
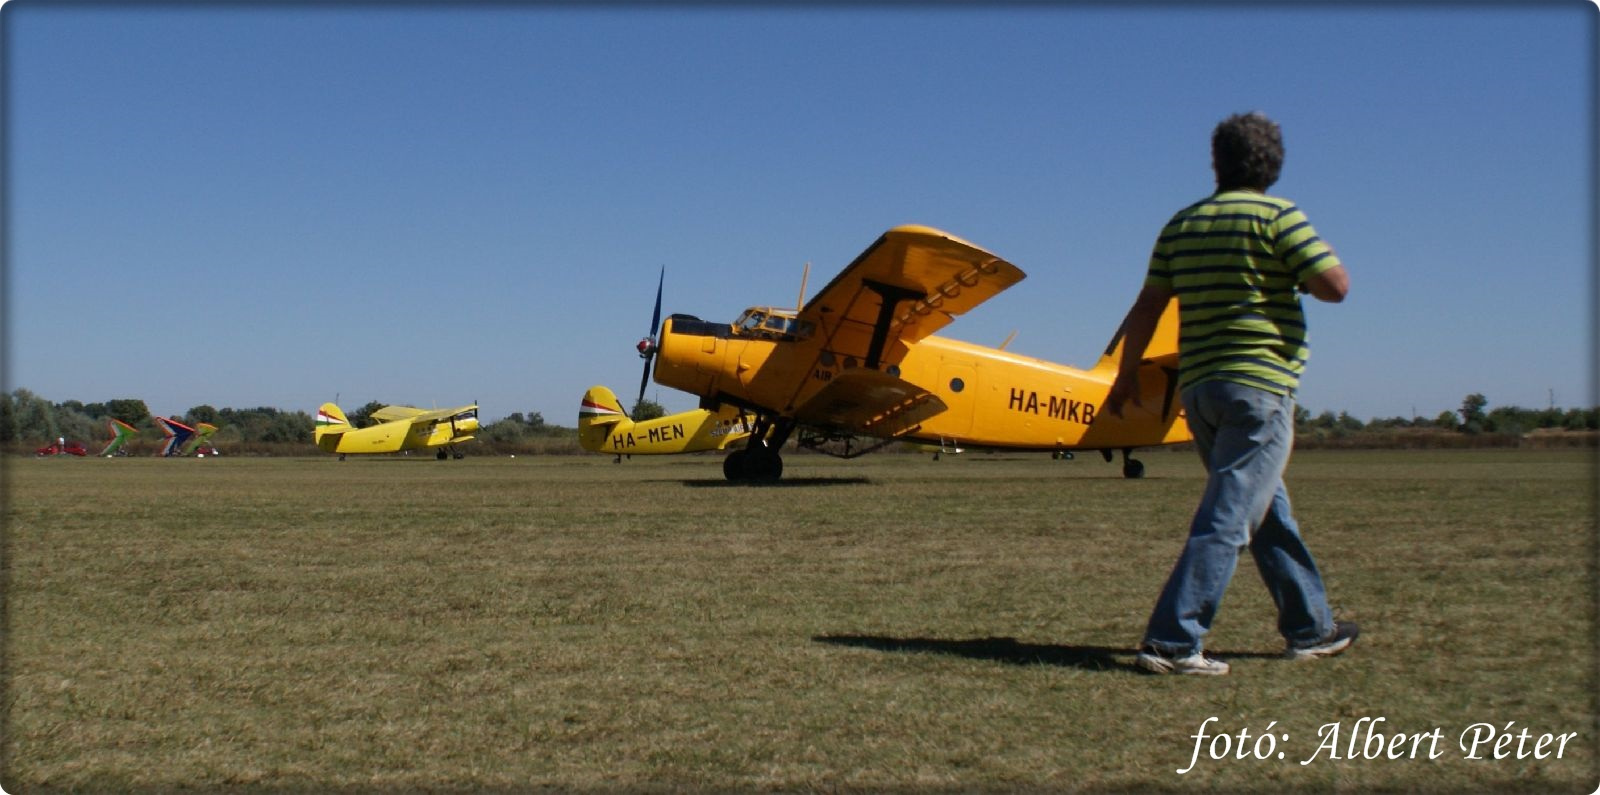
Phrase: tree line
(29, 419)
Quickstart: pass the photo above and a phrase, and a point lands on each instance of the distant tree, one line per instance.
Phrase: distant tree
(1349, 423)
(36, 419)
(129, 410)
(202, 413)
(72, 423)
(1472, 416)
(647, 409)
(1446, 420)
(8, 418)
(362, 417)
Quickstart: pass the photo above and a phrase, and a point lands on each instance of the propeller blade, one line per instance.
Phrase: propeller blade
(655, 319)
(644, 381)
(647, 347)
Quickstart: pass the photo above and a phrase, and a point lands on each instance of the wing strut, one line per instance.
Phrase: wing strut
(891, 295)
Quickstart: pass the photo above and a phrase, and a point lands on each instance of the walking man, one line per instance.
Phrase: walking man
(1237, 261)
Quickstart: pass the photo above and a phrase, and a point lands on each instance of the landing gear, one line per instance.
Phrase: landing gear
(759, 462)
(1132, 468)
(753, 465)
(441, 455)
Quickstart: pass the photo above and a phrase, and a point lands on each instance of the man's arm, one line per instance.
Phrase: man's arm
(1330, 285)
(1137, 329)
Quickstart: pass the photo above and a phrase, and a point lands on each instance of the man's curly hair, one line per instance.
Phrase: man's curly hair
(1246, 152)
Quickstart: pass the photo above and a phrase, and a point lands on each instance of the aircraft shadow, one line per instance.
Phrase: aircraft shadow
(1012, 652)
(776, 484)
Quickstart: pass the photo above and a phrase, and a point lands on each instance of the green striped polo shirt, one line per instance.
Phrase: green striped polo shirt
(1234, 261)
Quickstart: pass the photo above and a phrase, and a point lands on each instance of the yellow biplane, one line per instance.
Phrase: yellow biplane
(399, 428)
(858, 367)
(603, 427)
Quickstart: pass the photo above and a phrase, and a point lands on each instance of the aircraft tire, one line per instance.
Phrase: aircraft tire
(733, 466)
(441, 455)
(765, 466)
(1132, 469)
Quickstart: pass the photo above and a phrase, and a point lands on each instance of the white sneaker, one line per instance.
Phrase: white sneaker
(1153, 660)
(1344, 633)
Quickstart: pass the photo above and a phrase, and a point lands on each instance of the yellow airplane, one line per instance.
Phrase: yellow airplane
(858, 366)
(603, 427)
(399, 428)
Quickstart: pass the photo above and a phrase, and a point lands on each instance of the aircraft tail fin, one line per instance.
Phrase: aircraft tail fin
(1163, 347)
(598, 414)
(330, 420)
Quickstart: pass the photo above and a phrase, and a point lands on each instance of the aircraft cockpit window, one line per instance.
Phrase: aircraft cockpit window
(752, 320)
(771, 325)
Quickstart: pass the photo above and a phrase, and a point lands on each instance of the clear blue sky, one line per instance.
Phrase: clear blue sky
(273, 205)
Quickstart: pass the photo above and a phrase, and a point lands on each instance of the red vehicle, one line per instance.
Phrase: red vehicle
(63, 448)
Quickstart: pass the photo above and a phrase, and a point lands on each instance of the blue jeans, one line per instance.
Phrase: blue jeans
(1244, 435)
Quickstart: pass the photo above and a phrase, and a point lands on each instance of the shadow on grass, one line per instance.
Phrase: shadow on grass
(774, 484)
(1012, 652)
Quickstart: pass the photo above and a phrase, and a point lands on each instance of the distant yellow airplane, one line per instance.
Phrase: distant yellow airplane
(603, 427)
(400, 428)
(858, 366)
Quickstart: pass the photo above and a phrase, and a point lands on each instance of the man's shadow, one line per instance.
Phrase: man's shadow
(1010, 651)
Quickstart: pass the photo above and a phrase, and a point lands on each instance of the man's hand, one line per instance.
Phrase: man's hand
(1123, 389)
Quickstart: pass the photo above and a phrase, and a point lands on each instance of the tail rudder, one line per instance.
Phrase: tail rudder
(1163, 347)
(598, 414)
(329, 418)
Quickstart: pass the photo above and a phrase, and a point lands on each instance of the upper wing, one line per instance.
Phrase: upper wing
(415, 415)
(441, 415)
(910, 283)
(392, 413)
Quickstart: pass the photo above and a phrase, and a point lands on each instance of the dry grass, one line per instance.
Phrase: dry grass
(889, 622)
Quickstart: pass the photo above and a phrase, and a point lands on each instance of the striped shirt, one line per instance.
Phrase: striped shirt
(1235, 260)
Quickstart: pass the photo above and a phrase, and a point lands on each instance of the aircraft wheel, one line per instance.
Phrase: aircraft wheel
(1133, 469)
(733, 465)
(459, 456)
(765, 465)
(441, 455)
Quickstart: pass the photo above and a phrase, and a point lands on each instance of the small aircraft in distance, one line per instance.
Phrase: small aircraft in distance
(182, 440)
(399, 428)
(120, 433)
(603, 427)
(858, 367)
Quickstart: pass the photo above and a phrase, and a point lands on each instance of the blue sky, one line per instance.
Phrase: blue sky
(265, 205)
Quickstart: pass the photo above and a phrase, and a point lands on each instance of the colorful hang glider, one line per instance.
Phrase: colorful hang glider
(603, 427)
(858, 366)
(178, 436)
(120, 432)
(399, 428)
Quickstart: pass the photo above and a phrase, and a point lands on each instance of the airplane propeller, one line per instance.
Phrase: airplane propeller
(647, 346)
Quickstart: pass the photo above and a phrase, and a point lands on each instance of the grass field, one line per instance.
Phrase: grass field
(884, 623)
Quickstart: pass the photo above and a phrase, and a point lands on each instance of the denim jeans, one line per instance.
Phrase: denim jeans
(1244, 436)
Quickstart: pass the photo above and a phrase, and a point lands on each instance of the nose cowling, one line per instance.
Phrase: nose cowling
(686, 354)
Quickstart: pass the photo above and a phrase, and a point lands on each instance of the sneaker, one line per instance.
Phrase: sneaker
(1344, 633)
(1158, 662)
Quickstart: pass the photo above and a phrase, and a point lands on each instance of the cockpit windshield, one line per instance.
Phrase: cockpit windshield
(770, 323)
